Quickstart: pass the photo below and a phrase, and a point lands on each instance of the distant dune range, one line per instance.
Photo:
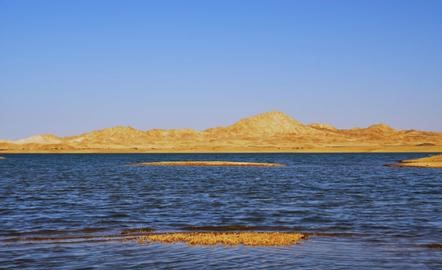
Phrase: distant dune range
(266, 132)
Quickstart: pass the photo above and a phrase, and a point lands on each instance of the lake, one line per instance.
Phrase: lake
(72, 211)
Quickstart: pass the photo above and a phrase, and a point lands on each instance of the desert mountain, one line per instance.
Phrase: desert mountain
(271, 131)
(265, 124)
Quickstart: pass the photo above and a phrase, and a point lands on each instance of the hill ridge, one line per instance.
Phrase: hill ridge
(268, 131)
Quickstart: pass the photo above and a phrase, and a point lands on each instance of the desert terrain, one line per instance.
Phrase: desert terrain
(266, 132)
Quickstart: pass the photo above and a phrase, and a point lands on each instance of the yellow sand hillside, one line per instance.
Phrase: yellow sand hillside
(226, 238)
(266, 132)
(426, 162)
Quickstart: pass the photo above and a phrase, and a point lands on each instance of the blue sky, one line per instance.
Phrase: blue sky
(68, 67)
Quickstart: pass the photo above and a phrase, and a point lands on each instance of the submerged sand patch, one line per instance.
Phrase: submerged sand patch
(210, 164)
(426, 162)
(231, 238)
(226, 238)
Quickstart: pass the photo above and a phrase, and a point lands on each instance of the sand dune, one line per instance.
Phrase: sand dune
(266, 132)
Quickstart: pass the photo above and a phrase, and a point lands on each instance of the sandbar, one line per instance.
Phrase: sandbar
(210, 164)
(426, 162)
(226, 238)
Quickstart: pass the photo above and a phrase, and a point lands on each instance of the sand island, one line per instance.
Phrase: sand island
(226, 238)
(210, 164)
(426, 162)
(202, 238)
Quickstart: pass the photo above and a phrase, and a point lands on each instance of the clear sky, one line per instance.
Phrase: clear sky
(68, 67)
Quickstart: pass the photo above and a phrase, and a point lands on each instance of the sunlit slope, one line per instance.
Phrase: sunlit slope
(266, 132)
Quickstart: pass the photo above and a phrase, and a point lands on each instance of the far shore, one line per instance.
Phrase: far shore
(233, 149)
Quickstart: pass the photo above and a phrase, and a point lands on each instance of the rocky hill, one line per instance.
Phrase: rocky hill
(266, 132)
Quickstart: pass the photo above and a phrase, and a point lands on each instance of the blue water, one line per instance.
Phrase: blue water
(71, 211)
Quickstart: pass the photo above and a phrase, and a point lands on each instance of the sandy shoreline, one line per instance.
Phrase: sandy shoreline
(426, 162)
(226, 149)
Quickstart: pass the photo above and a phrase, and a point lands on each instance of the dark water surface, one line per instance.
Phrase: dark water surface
(70, 211)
